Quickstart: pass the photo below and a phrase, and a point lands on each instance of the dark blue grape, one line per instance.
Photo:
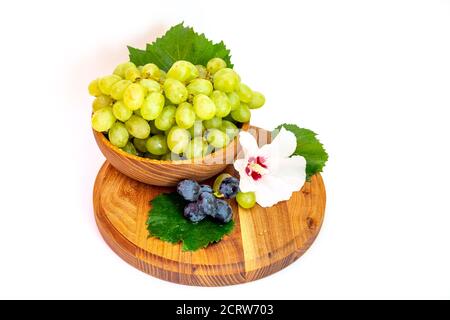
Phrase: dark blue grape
(223, 213)
(229, 187)
(189, 190)
(205, 188)
(192, 212)
(207, 203)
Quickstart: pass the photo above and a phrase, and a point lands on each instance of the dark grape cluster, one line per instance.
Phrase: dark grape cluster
(203, 203)
(229, 187)
(189, 190)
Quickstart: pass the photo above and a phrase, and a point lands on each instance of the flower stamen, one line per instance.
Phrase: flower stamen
(256, 167)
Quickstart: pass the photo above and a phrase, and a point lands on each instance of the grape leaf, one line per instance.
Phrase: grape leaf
(180, 43)
(166, 222)
(309, 147)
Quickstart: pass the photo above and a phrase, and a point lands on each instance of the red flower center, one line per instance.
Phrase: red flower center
(256, 167)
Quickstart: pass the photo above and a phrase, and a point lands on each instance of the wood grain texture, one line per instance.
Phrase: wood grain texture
(167, 173)
(264, 241)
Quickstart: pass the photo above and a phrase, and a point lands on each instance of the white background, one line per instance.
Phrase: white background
(372, 77)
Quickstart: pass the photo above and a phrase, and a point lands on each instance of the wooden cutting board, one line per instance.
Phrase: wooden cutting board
(264, 241)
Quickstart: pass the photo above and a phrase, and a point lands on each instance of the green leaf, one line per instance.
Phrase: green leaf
(309, 147)
(180, 43)
(138, 56)
(166, 222)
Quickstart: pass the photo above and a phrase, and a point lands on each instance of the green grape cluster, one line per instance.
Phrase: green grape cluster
(186, 113)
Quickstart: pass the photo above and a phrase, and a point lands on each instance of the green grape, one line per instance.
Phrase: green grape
(223, 106)
(167, 156)
(157, 145)
(215, 64)
(152, 156)
(118, 135)
(202, 72)
(105, 83)
(163, 76)
(175, 91)
(183, 71)
(151, 70)
(197, 129)
(217, 138)
(242, 113)
(198, 86)
(204, 107)
(150, 85)
(132, 74)
(178, 139)
(122, 68)
(185, 115)
(140, 144)
(101, 102)
(138, 127)
(153, 106)
(218, 182)
(103, 119)
(166, 119)
(133, 97)
(226, 80)
(229, 128)
(93, 88)
(215, 122)
(154, 129)
(129, 147)
(167, 102)
(229, 118)
(121, 112)
(170, 156)
(119, 88)
(245, 93)
(196, 148)
(234, 99)
(209, 149)
(257, 101)
(246, 200)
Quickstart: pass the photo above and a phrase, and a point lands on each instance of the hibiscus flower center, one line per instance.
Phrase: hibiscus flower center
(256, 167)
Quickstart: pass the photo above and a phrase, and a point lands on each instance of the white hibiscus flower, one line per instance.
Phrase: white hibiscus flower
(270, 171)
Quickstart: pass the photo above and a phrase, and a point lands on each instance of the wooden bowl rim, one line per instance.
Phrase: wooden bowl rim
(102, 139)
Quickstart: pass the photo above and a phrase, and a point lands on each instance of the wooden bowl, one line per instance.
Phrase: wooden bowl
(167, 173)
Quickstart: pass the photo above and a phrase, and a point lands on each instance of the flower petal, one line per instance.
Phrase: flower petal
(248, 144)
(271, 190)
(247, 184)
(283, 145)
(240, 164)
(279, 185)
(292, 171)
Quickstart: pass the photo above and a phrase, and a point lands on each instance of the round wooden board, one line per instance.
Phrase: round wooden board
(264, 241)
